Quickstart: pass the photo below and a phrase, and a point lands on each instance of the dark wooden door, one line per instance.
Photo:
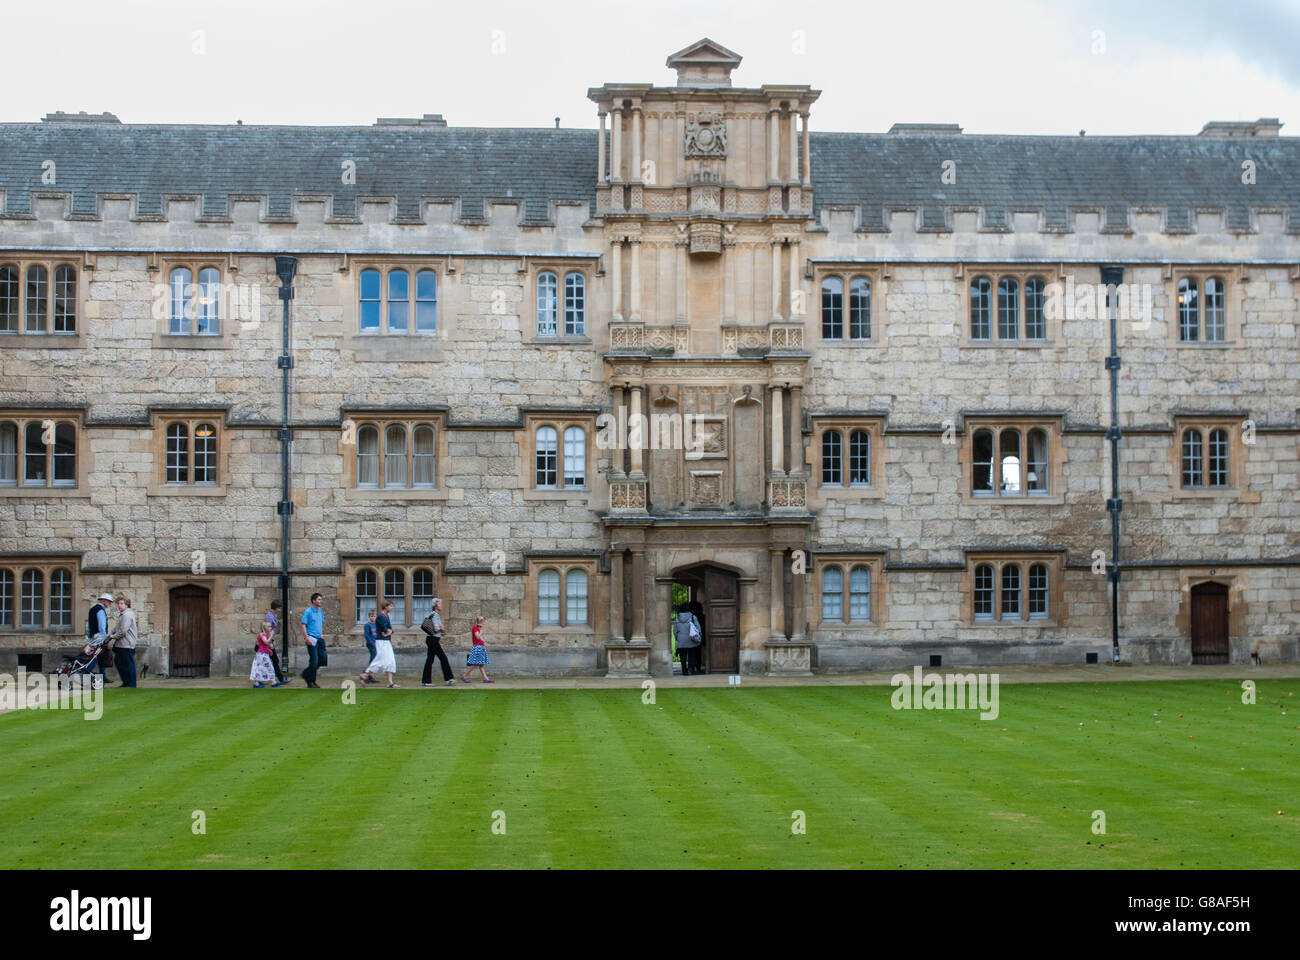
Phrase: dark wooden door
(721, 610)
(190, 631)
(1209, 623)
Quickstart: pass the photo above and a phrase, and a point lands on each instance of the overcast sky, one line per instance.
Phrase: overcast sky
(994, 66)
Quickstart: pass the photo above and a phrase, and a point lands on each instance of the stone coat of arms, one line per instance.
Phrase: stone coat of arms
(706, 137)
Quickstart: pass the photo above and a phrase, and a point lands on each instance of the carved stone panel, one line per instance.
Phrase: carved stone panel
(706, 487)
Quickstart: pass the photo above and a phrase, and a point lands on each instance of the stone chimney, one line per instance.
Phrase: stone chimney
(704, 64)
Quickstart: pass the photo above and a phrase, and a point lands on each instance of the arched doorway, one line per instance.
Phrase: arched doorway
(190, 631)
(1210, 623)
(717, 590)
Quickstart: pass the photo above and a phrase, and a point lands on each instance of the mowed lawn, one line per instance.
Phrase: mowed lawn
(701, 778)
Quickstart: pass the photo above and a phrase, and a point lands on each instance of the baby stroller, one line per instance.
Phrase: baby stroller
(82, 663)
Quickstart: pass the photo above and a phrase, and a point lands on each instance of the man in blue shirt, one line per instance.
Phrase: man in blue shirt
(313, 633)
(97, 623)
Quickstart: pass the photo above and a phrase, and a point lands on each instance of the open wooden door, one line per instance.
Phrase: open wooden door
(721, 607)
(190, 632)
(1209, 623)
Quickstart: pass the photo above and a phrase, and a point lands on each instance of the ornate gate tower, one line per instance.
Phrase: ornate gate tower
(705, 192)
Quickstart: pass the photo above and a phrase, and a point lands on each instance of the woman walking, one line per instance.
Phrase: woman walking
(384, 658)
(262, 672)
(477, 653)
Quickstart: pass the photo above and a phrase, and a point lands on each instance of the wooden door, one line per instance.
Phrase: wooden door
(190, 632)
(1209, 623)
(721, 609)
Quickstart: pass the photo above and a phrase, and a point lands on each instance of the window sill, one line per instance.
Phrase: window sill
(1233, 494)
(850, 493)
(1016, 622)
(43, 341)
(186, 490)
(845, 344)
(841, 627)
(178, 341)
(581, 493)
(39, 491)
(397, 347)
(394, 493)
(1009, 344)
(536, 341)
(1205, 344)
(1037, 500)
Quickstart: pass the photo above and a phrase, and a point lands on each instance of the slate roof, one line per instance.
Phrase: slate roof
(471, 163)
(1004, 173)
(874, 171)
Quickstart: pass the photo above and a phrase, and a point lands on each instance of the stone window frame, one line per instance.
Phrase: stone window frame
(47, 337)
(1238, 487)
(21, 417)
(1055, 563)
(1056, 458)
(820, 493)
(163, 337)
(995, 273)
(845, 562)
(16, 565)
(381, 421)
(527, 442)
(846, 273)
(412, 266)
(161, 420)
(533, 567)
(1232, 294)
(561, 268)
(347, 595)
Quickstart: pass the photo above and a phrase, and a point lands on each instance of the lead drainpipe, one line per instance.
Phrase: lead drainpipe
(1112, 277)
(285, 268)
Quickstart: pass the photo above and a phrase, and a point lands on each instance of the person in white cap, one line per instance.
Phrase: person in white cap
(97, 623)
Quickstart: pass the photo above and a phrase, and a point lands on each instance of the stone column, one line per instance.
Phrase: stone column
(637, 448)
(600, 151)
(616, 147)
(729, 282)
(793, 168)
(778, 433)
(794, 279)
(636, 143)
(777, 587)
(774, 144)
(616, 634)
(638, 596)
(616, 279)
(776, 279)
(807, 155)
(620, 426)
(682, 267)
(798, 596)
(796, 432)
(636, 279)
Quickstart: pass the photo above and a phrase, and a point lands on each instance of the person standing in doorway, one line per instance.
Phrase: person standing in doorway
(124, 637)
(313, 634)
(432, 628)
(687, 635)
(97, 623)
(270, 624)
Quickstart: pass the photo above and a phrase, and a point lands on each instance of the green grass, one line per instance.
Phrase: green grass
(702, 778)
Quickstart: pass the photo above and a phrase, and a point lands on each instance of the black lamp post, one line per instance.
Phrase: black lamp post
(1112, 276)
(285, 268)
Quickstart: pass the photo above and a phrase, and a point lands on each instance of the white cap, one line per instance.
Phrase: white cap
(107, 596)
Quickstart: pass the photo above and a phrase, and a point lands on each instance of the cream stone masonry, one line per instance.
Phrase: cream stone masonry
(702, 219)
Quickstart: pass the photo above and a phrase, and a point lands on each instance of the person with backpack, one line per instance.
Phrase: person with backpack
(432, 627)
(96, 624)
(688, 635)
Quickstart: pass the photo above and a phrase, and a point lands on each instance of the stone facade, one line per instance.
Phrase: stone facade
(703, 251)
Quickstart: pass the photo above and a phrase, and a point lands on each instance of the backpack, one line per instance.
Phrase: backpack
(427, 627)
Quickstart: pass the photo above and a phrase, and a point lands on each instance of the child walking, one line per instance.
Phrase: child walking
(384, 660)
(477, 654)
(263, 673)
(371, 635)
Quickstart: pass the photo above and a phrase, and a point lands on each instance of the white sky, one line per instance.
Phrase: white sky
(994, 66)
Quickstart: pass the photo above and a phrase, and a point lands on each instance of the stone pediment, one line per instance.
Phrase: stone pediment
(704, 64)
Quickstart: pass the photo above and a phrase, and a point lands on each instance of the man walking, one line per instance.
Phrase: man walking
(432, 628)
(97, 623)
(124, 637)
(313, 633)
(272, 623)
